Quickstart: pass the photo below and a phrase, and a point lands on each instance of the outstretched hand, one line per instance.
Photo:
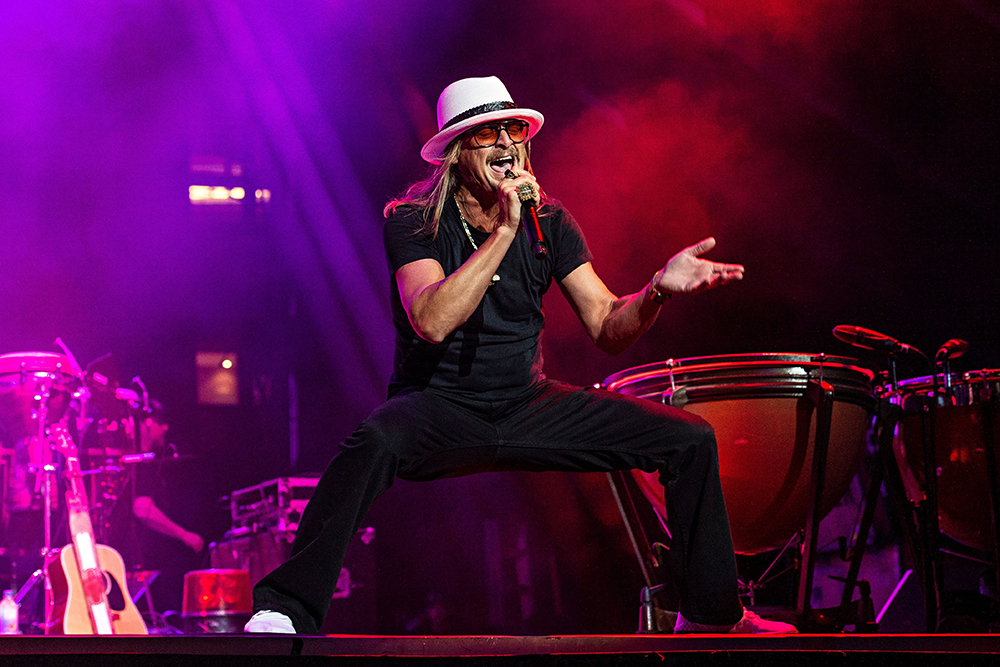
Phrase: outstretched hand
(687, 273)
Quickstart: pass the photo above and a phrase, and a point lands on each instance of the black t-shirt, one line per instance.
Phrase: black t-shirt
(496, 352)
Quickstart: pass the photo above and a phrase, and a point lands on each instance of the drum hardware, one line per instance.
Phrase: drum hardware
(859, 613)
(139, 583)
(653, 619)
(935, 442)
(749, 588)
(928, 513)
(926, 530)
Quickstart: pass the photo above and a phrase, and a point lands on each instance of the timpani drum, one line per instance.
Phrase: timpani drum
(765, 426)
(960, 448)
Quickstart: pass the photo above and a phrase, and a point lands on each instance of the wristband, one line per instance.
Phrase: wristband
(655, 294)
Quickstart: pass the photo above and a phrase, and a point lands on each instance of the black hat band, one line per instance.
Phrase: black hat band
(481, 109)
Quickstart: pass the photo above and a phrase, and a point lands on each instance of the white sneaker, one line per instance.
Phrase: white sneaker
(269, 621)
(750, 624)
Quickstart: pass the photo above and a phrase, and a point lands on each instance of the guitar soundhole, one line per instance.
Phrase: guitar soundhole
(116, 599)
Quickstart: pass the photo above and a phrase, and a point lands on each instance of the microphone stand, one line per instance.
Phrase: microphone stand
(925, 533)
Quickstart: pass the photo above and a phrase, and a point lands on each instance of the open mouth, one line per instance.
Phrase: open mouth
(501, 165)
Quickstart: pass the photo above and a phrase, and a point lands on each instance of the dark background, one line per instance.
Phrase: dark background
(845, 152)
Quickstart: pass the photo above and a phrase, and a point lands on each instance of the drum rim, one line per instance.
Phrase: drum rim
(748, 362)
(927, 381)
(33, 363)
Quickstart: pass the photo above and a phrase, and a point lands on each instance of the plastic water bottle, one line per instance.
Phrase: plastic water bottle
(8, 614)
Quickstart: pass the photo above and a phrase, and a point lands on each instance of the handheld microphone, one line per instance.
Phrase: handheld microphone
(868, 339)
(529, 218)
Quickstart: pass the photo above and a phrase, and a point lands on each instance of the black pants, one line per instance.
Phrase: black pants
(429, 434)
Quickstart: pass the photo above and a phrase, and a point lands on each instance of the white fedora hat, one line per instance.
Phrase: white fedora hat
(470, 102)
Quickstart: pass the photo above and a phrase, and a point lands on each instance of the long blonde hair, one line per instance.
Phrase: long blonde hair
(432, 193)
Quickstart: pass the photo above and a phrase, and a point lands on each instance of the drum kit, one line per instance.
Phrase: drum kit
(793, 431)
(42, 394)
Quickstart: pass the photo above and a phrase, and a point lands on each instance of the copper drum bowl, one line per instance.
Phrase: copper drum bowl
(216, 601)
(27, 380)
(960, 448)
(765, 427)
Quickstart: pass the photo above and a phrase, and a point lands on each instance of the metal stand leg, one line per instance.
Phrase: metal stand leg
(820, 394)
(932, 575)
(653, 618)
(884, 471)
(870, 501)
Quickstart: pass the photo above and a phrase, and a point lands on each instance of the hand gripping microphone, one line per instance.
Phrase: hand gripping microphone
(529, 217)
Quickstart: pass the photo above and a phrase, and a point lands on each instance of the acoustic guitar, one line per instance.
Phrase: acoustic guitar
(89, 592)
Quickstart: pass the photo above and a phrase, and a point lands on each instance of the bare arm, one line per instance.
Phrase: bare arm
(149, 514)
(437, 305)
(614, 323)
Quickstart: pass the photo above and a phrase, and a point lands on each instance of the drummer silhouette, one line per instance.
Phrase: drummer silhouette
(152, 430)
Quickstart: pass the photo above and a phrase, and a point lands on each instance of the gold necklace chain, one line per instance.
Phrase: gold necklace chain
(468, 234)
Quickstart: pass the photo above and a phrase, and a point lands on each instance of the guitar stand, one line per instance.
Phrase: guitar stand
(144, 579)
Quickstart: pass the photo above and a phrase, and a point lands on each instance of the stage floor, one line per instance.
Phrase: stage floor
(247, 650)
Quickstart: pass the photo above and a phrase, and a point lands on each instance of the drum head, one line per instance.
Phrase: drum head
(27, 379)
